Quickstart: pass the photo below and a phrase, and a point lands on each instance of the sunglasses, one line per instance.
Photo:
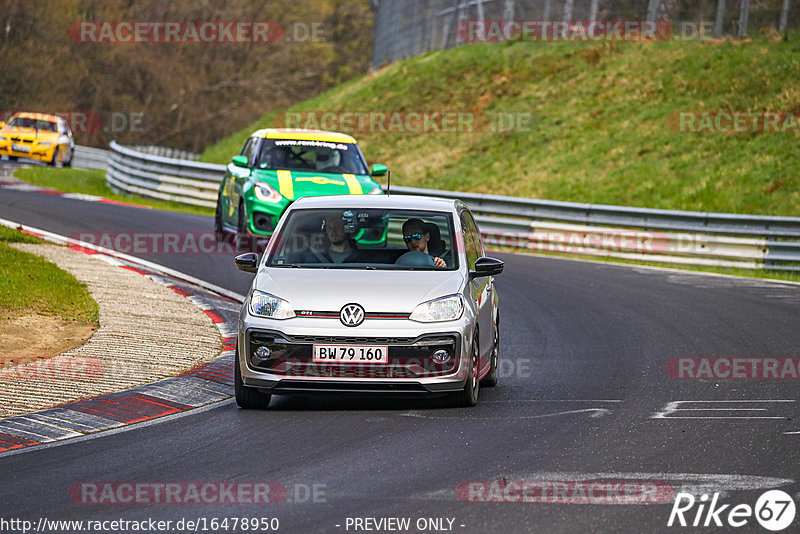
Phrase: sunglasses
(408, 238)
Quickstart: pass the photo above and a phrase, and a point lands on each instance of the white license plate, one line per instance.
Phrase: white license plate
(21, 148)
(351, 354)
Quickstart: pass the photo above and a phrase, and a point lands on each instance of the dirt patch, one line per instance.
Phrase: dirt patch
(28, 338)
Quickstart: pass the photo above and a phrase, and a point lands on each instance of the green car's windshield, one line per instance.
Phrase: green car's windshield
(368, 239)
(311, 156)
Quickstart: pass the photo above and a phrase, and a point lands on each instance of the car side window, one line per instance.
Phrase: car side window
(478, 238)
(249, 150)
(471, 239)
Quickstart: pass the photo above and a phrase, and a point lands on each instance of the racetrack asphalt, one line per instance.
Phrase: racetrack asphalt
(584, 395)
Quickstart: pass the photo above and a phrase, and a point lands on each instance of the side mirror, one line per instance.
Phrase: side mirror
(486, 266)
(379, 170)
(240, 161)
(247, 262)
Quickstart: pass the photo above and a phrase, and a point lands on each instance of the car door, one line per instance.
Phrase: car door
(235, 179)
(480, 288)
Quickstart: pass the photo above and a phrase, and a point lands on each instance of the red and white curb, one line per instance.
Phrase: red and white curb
(208, 383)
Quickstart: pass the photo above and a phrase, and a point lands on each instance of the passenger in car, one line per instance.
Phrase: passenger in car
(424, 237)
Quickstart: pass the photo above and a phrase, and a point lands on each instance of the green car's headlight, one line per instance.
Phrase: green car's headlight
(266, 193)
(376, 191)
(441, 309)
(266, 305)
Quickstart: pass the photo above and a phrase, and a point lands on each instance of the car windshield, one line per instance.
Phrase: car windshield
(369, 239)
(29, 122)
(311, 156)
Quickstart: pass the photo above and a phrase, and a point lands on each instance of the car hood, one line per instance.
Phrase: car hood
(28, 133)
(377, 291)
(296, 184)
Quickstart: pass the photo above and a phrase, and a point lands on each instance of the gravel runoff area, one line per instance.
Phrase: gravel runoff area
(147, 332)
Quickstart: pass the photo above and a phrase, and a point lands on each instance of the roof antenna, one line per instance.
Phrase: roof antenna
(388, 183)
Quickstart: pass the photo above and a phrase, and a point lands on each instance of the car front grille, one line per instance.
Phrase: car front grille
(407, 357)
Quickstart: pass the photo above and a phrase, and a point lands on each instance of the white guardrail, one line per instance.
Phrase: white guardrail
(86, 157)
(668, 236)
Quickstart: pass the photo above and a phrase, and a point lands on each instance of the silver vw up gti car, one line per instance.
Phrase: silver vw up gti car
(372, 295)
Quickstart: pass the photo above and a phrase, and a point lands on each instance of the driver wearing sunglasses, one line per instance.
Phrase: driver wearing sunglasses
(416, 236)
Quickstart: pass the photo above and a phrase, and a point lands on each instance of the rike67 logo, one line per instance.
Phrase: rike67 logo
(774, 510)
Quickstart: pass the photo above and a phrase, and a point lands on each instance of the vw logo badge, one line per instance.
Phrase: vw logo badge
(352, 315)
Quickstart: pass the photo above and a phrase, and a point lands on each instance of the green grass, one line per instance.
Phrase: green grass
(93, 182)
(599, 130)
(30, 284)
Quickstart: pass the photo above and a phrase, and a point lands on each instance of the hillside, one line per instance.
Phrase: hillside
(77, 58)
(602, 122)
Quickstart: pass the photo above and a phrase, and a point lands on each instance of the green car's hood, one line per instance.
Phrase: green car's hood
(295, 184)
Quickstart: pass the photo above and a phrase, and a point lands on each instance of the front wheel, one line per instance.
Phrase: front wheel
(243, 239)
(490, 380)
(247, 398)
(68, 162)
(53, 161)
(219, 231)
(469, 395)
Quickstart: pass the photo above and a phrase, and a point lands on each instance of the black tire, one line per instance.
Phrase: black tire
(468, 396)
(219, 231)
(68, 162)
(242, 235)
(490, 380)
(53, 161)
(13, 158)
(247, 398)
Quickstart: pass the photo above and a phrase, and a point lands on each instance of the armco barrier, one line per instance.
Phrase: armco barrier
(90, 158)
(163, 178)
(668, 236)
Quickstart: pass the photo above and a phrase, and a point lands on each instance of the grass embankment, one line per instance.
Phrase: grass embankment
(599, 123)
(31, 285)
(93, 182)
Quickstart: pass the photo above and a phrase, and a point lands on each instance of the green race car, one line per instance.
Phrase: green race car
(276, 167)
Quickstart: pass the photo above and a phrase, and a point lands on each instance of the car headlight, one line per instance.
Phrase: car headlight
(376, 191)
(3, 138)
(45, 143)
(267, 193)
(441, 309)
(266, 305)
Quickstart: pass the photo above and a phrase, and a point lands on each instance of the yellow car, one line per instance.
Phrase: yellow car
(47, 138)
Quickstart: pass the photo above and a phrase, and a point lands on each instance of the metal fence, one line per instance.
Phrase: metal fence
(510, 223)
(406, 28)
(90, 158)
(163, 178)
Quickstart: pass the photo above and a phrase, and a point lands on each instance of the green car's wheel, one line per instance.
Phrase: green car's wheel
(242, 235)
(219, 231)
